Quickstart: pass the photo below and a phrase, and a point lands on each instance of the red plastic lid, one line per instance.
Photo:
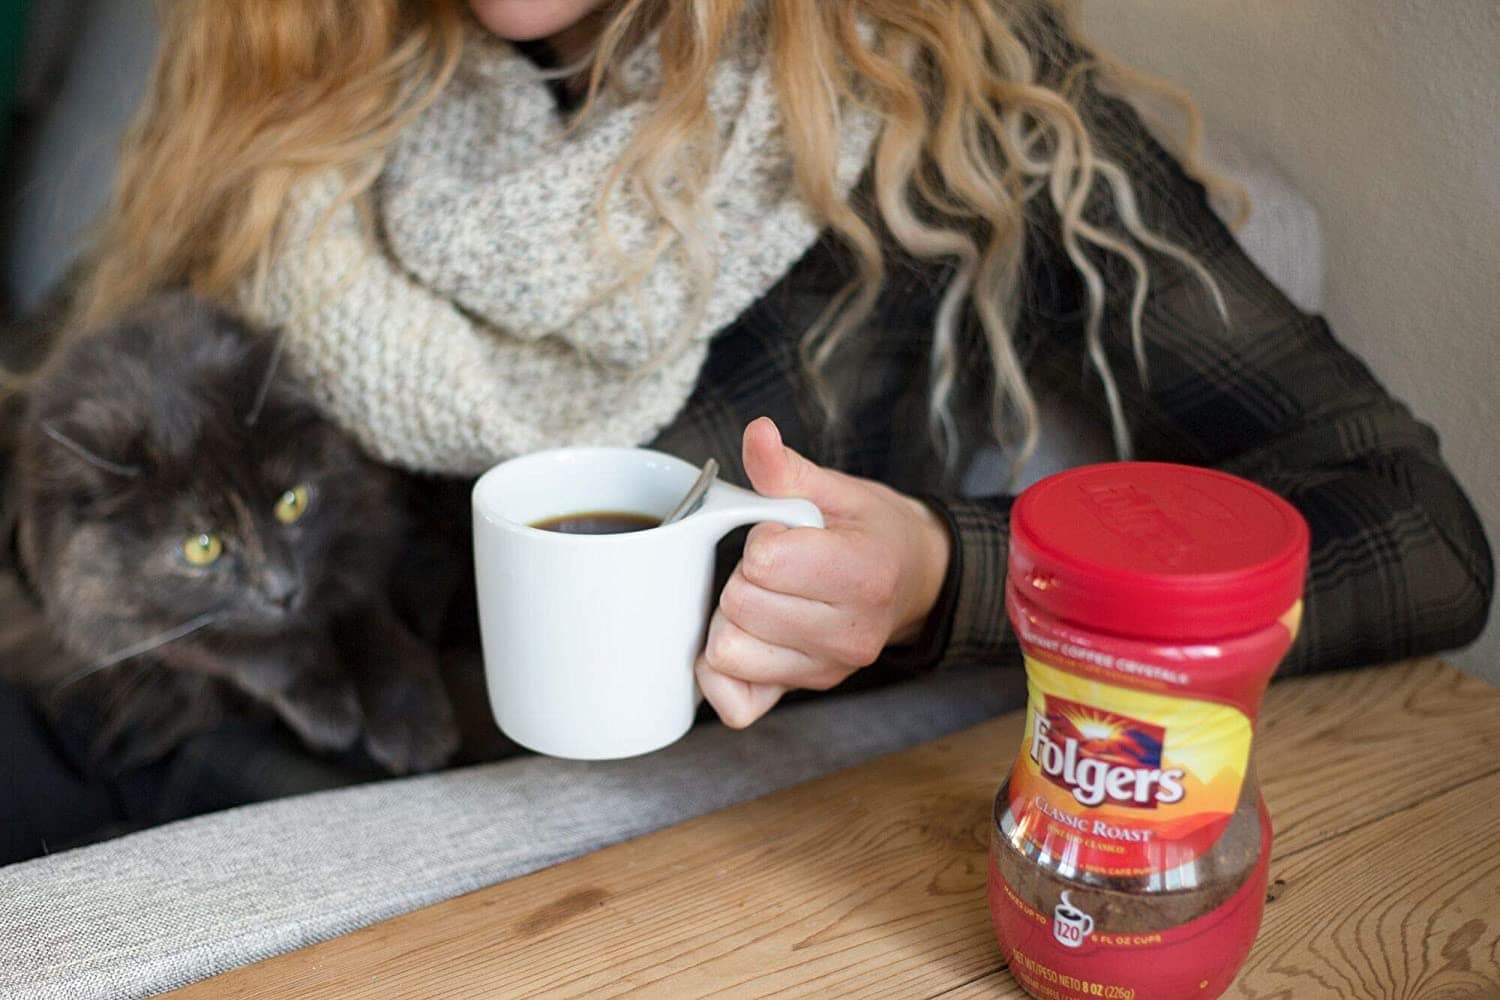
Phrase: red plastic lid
(1151, 550)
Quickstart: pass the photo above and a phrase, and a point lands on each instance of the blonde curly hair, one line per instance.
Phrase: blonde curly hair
(249, 98)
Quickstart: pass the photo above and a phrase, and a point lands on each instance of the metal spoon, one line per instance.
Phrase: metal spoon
(695, 493)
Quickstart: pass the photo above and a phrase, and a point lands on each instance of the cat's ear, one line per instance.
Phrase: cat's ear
(75, 462)
(85, 454)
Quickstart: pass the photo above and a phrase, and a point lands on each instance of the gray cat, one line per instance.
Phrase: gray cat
(187, 537)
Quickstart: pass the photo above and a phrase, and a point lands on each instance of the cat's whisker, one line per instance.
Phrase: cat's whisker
(154, 642)
(264, 389)
(97, 461)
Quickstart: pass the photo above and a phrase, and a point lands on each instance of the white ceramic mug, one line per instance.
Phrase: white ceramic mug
(589, 640)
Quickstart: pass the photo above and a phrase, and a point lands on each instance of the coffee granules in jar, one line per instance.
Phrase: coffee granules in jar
(1130, 844)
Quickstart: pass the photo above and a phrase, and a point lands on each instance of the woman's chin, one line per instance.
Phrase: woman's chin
(526, 20)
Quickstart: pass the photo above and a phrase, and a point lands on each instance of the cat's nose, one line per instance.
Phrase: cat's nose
(280, 588)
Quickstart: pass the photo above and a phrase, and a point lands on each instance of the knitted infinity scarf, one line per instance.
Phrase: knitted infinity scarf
(486, 322)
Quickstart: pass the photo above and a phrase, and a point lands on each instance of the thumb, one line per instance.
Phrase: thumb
(778, 471)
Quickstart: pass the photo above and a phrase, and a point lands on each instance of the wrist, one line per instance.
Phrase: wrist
(933, 548)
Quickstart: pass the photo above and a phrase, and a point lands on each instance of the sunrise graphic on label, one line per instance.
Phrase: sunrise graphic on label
(1102, 757)
(1124, 781)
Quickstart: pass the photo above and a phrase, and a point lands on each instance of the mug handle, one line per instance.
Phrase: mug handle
(728, 506)
(1088, 925)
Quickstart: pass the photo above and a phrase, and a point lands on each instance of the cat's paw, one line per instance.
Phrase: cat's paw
(323, 709)
(408, 717)
(409, 725)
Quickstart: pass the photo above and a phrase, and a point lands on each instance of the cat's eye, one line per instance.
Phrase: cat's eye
(203, 549)
(292, 505)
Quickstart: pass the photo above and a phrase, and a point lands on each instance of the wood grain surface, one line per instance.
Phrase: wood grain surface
(1384, 786)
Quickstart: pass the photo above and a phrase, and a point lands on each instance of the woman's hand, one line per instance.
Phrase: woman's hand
(806, 607)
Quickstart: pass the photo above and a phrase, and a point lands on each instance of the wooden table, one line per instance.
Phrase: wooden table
(1384, 785)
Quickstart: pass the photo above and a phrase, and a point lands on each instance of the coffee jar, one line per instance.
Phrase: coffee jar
(1130, 843)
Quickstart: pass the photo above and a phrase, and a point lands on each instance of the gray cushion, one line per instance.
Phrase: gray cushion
(165, 907)
(1283, 235)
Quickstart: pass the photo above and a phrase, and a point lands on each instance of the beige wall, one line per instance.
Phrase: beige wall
(1386, 115)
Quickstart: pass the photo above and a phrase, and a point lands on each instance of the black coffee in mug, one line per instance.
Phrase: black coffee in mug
(598, 522)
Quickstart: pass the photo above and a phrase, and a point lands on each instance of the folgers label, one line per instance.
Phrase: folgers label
(1140, 786)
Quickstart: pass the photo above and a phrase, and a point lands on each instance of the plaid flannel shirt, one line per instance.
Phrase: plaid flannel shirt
(1399, 564)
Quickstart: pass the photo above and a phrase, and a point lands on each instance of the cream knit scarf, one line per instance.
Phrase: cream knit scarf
(486, 323)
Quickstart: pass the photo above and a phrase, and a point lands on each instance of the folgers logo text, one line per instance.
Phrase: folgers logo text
(1102, 758)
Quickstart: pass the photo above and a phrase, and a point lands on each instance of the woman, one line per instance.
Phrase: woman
(891, 227)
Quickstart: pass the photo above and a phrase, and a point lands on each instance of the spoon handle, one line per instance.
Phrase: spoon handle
(695, 494)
